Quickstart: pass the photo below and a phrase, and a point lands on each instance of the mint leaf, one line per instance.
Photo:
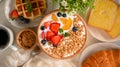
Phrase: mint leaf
(66, 34)
(29, 6)
(61, 30)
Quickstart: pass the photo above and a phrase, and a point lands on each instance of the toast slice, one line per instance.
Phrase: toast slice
(90, 62)
(103, 15)
(116, 55)
(115, 31)
(102, 59)
(110, 57)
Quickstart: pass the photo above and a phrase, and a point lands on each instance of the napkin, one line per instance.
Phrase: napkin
(43, 61)
(17, 58)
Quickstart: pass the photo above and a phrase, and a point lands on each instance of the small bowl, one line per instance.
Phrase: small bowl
(47, 52)
(95, 48)
(19, 34)
(11, 37)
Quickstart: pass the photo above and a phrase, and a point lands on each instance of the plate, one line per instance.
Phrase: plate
(10, 5)
(100, 34)
(95, 48)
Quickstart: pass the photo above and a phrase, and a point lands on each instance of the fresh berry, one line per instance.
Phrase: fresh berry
(75, 29)
(43, 41)
(21, 18)
(49, 34)
(61, 36)
(56, 39)
(43, 35)
(42, 28)
(26, 20)
(46, 24)
(54, 27)
(59, 14)
(64, 15)
(14, 14)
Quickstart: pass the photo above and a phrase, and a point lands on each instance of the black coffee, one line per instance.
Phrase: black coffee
(4, 38)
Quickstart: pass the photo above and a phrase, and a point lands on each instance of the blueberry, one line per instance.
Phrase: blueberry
(26, 20)
(74, 29)
(59, 14)
(64, 15)
(42, 28)
(21, 18)
(43, 42)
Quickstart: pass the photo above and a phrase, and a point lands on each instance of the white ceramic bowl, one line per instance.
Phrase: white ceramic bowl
(11, 36)
(95, 48)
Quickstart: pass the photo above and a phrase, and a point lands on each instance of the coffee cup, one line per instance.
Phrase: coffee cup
(6, 37)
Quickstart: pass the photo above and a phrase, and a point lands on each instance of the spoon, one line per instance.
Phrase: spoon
(33, 53)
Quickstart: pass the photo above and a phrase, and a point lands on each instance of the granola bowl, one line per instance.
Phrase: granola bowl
(62, 35)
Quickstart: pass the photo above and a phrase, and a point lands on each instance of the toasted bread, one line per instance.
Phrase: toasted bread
(115, 31)
(103, 15)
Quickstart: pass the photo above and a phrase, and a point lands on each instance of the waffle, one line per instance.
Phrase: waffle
(38, 7)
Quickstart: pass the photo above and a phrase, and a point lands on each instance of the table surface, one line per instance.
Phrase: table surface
(15, 30)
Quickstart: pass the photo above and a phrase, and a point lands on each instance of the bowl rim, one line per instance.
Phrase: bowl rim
(41, 22)
(19, 33)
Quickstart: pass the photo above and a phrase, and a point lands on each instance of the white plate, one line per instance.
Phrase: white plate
(95, 48)
(101, 34)
(10, 5)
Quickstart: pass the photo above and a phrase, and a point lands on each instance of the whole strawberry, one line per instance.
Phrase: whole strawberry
(14, 14)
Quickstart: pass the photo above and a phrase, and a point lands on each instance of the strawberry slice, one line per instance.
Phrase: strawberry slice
(49, 34)
(61, 36)
(14, 14)
(54, 27)
(56, 39)
(46, 24)
(43, 35)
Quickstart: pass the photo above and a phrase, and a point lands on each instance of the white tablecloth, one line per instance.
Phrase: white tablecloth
(4, 21)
